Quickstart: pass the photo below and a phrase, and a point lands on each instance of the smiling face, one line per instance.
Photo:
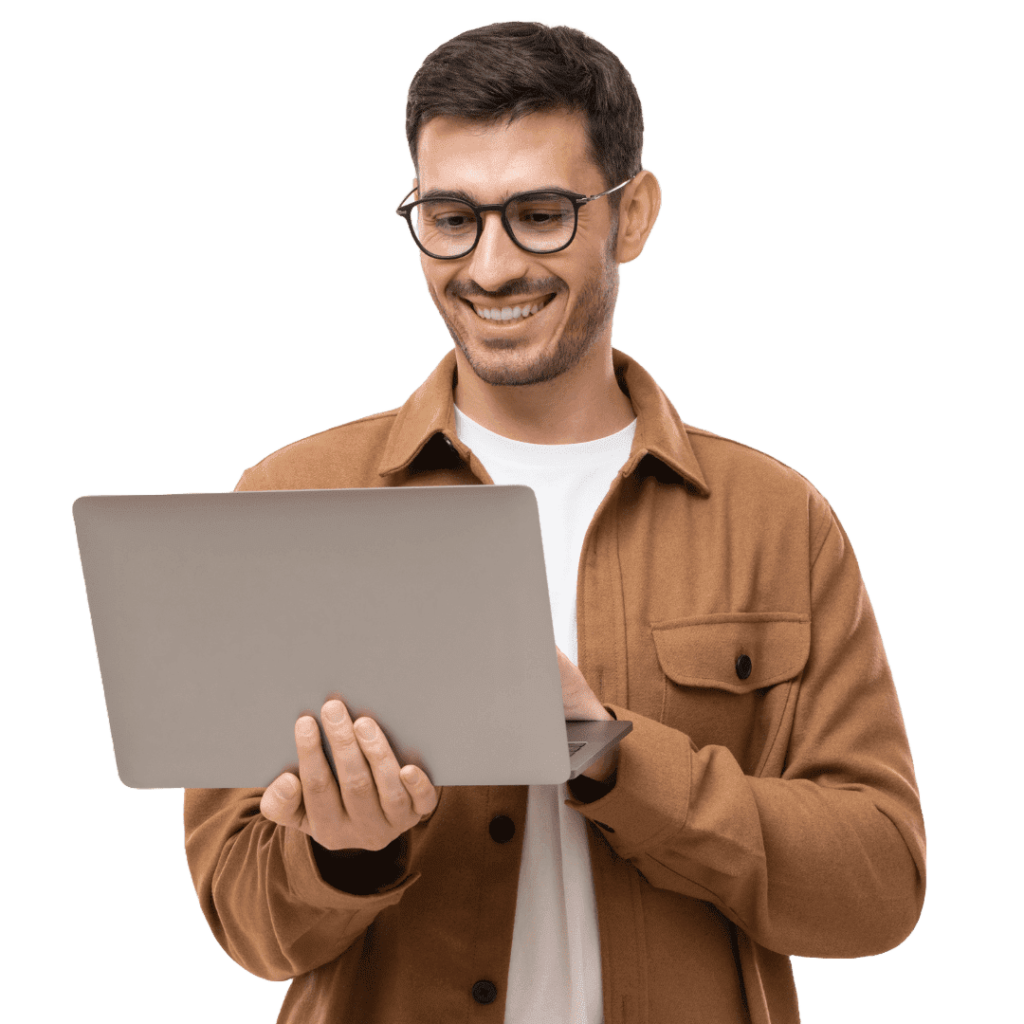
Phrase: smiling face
(553, 308)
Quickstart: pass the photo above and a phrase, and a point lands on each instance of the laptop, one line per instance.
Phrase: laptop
(219, 619)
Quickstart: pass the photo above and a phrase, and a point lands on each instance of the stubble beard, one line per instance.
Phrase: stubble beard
(586, 324)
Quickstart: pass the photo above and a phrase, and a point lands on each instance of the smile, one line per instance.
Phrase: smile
(520, 312)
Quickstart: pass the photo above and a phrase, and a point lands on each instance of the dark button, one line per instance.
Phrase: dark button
(485, 992)
(601, 824)
(502, 829)
(743, 667)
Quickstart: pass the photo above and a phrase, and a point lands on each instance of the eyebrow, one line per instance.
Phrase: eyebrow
(458, 193)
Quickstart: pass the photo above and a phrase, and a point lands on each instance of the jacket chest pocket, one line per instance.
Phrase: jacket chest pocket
(724, 677)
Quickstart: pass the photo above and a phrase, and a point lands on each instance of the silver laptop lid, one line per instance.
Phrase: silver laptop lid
(220, 618)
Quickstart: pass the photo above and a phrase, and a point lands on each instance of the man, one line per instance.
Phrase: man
(764, 803)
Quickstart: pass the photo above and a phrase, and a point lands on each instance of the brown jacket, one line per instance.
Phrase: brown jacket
(765, 803)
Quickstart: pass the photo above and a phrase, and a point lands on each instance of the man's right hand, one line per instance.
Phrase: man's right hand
(372, 802)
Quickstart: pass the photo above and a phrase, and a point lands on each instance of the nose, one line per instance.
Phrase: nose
(496, 259)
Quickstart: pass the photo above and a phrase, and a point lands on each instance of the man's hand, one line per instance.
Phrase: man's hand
(370, 805)
(578, 699)
(582, 704)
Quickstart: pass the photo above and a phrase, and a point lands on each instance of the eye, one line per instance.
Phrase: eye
(448, 216)
(542, 213)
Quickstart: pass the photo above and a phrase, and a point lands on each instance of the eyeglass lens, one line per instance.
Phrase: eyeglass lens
(540, 222)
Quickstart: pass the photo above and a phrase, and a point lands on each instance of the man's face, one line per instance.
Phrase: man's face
(576, 287)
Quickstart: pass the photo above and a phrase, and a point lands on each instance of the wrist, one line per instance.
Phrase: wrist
(604, 767)
(361, 872)
(587, 790)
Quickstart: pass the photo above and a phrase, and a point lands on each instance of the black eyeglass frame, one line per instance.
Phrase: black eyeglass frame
(578, 200)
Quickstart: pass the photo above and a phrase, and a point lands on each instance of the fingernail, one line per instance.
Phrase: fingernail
(286, 787)
(365, 729)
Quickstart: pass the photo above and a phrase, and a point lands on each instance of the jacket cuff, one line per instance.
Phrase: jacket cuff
(588, 790)
(310, 886)
(362, 872)
(650, 798)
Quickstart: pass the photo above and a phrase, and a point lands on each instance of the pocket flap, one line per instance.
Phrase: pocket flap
(718, 650)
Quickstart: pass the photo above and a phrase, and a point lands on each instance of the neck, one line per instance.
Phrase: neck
(582, 404)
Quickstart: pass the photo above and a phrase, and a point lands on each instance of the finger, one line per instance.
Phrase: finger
(282, 801)
(358, 791)
(320, 797)
(394, 800)
(420, 789)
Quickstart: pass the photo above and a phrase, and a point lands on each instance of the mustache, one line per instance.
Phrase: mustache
(509, 290)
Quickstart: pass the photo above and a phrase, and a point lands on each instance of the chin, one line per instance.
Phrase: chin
(502, 365)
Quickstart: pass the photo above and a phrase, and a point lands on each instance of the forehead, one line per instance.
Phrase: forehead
(490, 161)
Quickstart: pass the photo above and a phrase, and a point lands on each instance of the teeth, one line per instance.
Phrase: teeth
(509, 312)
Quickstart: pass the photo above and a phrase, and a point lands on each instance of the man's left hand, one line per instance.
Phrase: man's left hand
(582, 704)
(578, 699)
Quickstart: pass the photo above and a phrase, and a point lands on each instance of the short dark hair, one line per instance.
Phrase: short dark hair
(514, 68)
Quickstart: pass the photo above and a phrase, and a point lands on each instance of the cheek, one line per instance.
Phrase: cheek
(452, 309)
(435, 282)
(432, 290)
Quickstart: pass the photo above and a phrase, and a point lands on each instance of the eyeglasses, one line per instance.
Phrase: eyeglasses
(448, 228)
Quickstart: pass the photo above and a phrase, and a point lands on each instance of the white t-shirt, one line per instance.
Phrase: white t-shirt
(555, 971)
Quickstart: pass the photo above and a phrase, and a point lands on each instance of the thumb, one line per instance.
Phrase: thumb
(282, 799)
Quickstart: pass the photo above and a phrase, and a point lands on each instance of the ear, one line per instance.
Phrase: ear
(638, 210)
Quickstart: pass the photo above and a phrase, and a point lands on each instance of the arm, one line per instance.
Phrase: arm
(289, 877)
(827, 859)
(261, 890)
(277, 900)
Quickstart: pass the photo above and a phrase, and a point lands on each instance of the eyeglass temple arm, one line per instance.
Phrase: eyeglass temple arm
(587, 199)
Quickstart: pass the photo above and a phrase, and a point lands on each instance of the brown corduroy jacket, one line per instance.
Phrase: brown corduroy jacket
(764, 805)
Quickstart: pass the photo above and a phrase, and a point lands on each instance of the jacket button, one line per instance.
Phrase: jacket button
(485, 992)
(601, 824)
(743, 667)
(502, 828)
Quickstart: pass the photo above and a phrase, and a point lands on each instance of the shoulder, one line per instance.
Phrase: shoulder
(725, 458)
(342, 456)
(740, 476)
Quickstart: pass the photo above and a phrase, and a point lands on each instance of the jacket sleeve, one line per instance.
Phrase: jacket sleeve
(828, 858)
(263, 890)
(279, 904)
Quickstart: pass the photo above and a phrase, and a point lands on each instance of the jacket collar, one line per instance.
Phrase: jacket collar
(660, 432)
